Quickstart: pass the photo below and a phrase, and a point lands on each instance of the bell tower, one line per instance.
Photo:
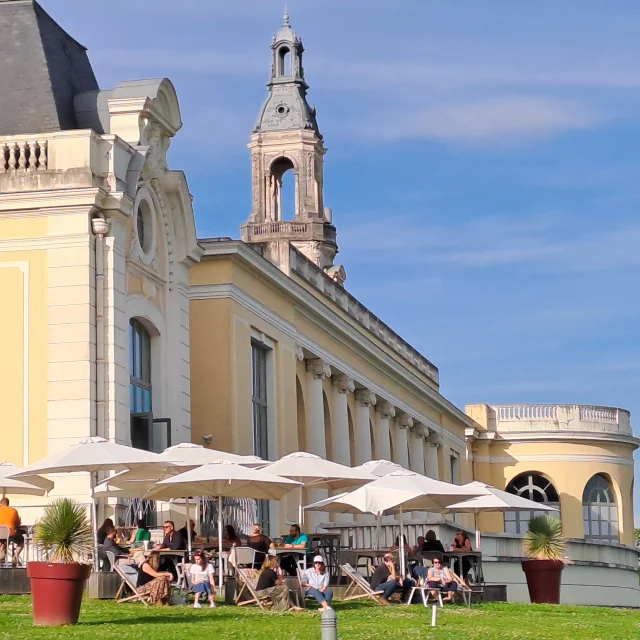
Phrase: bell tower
(285, 139)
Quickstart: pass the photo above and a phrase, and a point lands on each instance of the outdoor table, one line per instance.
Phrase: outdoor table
(370, 555)
(475, 559)
(282, 551)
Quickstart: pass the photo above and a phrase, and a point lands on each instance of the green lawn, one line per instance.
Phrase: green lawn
(106, 620)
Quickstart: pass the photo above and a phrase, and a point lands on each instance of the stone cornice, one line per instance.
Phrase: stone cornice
(330, 321)
(560, 436)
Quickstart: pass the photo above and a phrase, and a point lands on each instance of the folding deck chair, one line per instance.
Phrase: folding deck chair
(358, 587)
(129, 575)
(249, 580)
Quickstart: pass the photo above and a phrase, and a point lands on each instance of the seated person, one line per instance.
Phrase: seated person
(140, 535)
(315, 582)
(295, 540)
(230, 537)
(10, 518)
(270, 583)
(104, 528)
(462, 543)
(111, 545)
(441, 578)
(386, 578)
(419, 544)
(202, 579)
(185, 534)
(261, 543)
(172, 541)
(432, 543)
(153, 582)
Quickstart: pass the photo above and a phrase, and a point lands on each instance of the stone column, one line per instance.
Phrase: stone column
(381, 430)
(434, 440)
(340, 445)
(317, 371)
(362, 430)
(401, 424)
(416, 448)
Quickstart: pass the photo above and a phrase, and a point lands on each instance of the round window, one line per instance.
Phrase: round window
(282, 109)
(144, 226)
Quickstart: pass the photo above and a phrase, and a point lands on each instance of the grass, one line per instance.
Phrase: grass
(356, 621)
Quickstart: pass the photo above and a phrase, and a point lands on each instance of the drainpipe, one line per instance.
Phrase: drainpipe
(100, 227)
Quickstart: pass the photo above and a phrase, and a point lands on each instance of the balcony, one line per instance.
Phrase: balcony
(291, 230)
(559, 417)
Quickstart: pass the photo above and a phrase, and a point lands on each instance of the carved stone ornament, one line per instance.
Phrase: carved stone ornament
(386, 409)
(319, 369)
(366, 398)
(435, 439)
(299, 353)
(343, 384)
(419, 430)
(404, 421)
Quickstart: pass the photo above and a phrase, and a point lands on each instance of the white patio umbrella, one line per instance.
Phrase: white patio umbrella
(379, 468)
(316, 472)
(91, 455)
(494, 500)
(223, 479)
(397, 492)
(37, 485)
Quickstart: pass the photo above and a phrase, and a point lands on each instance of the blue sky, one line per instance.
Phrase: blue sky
(482, 169)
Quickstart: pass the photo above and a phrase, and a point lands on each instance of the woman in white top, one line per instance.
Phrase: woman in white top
(315, 581)
(202, 579)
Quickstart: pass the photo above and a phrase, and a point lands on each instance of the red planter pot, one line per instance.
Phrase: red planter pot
(544, 578)
(56, 590)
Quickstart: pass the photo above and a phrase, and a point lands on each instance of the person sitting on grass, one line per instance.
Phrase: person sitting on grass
(441, 578)
(271, 584)
(315, 582)
(202, 579)
(386, 579)
(153, 583)
(140, 535)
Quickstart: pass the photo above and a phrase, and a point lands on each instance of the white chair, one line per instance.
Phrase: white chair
(5, 532)
(244, 557)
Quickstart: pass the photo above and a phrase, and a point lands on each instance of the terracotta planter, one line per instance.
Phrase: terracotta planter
(56, 590)
(544, 578)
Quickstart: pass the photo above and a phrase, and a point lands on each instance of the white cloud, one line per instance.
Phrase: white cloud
(491, 120)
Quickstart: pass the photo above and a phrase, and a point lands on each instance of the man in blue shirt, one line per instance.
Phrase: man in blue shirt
(295, 540)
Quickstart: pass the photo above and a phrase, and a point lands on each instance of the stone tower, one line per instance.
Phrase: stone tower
(286, 138)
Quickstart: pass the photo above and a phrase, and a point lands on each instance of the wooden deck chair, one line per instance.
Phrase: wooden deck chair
(358, 586)
(129, 575)
(249, 580)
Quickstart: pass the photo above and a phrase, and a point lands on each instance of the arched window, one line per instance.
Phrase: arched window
(283, 190)
(141, 417)
(284, 61)
(599, 510)
(531, 486)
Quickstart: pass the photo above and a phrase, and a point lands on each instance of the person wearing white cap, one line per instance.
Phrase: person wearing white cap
(315, 582)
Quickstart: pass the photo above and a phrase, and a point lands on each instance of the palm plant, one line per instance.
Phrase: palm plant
(64, 532)
(543, 540)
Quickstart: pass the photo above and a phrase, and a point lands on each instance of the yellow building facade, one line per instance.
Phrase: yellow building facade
(115, 320)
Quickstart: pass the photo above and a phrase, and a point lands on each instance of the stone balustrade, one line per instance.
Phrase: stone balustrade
(546, 417)
(23, 155)
(311, 230)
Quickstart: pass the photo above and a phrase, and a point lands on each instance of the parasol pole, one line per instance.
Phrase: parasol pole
(402, 567)
(188, 529)
(220, 545)
(300, 512)
(475, 520)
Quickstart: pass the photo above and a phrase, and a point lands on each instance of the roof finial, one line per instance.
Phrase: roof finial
(286, 16)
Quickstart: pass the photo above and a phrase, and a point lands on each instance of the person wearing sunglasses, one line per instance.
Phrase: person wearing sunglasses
(441, 578)
(315, 582)
(172, 541)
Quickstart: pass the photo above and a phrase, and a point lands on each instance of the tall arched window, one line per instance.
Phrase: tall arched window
(141, 417)
(599, 510)
(531, 486)
(283, 188)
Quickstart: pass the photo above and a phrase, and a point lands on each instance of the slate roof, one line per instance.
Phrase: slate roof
(42, 68)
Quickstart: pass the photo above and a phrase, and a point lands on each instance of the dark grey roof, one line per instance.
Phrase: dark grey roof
(42, 68)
